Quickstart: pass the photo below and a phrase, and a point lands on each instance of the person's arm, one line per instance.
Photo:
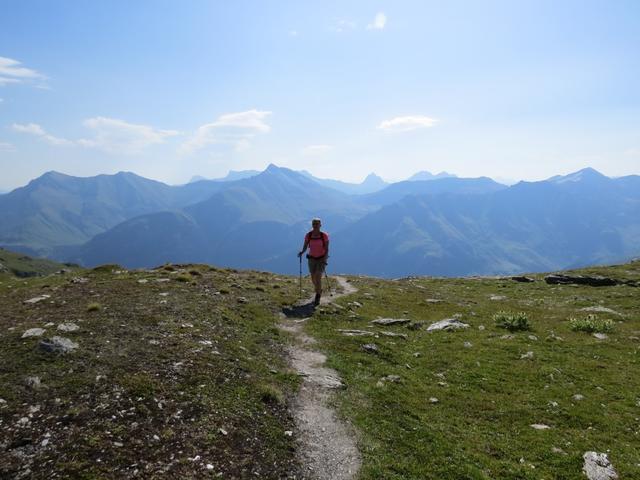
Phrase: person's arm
(326, 252)
(304, 247)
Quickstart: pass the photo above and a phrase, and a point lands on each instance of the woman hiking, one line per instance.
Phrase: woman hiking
(318, 243)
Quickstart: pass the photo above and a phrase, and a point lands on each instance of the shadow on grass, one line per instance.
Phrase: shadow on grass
(302, 310)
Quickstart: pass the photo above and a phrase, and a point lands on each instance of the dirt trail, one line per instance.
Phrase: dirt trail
(327, 445)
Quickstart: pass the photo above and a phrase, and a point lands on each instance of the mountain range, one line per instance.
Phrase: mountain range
(438, 226)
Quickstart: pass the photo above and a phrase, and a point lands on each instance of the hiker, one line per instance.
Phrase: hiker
(318, 243)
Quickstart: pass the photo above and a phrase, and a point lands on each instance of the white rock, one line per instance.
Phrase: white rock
(481, 327)
(600, 309)
(143, 280)
(433, 400)
(600, 336)
(467, 345)
(598, 467)
(526, 356)
(37, 299)
(209, 466)
(497, 297)
(577, 397)
(33, 332)
(447, 324)
(540, 426)
(118, 444)
(68, 327)
(288, 433)
(533, 338)
(223, 431)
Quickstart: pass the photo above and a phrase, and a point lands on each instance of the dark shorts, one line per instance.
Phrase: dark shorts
(316, 265)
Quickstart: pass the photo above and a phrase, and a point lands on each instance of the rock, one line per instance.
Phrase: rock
(58, 345)
(600, 336)
(3, 269)
(223, 431)
(578, 397)
(370, 348)
(526, 356)
(600, 309)
(355, 304)
(558, 450)
(242, 300)
(481, 327)
(434, 300)
(33, 382)
(467, 345)
(118, 444)
(391, 378)
(417, 354)
(540, 426)
(390, 321)
(522, 279)
(433, 400)
(37, 299)
(79, 280)
(448, 324)
(68, 327)
(354, 333)
(598, 467)
(393, 334)
(497, 297)
(596, 281)
(288, 433)
(415, 325)
(532, 338)
(33, 332)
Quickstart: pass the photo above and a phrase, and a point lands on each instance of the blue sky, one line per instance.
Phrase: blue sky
(519, 90)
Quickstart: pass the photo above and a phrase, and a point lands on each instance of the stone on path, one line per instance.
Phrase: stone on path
(390, 321)
(598, 467)
(37, 299)
(33, 332)
(58, 345)
(447, 324)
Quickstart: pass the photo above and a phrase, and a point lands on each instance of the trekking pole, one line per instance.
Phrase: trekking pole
(300, 258)
(328, 281)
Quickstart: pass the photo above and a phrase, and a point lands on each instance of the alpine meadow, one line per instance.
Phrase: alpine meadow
(320, 241)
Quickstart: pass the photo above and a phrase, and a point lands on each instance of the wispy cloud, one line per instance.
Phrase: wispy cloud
(111, 135)
(36, 130)
(344, 25)
(316, 149)
(12, 71)
(6, 147)
(117, 136)
(379, 22)
(235, 129)
(407, 123)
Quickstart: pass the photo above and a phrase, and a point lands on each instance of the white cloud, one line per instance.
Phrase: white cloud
(7, 147)
(316, 149)
(405, 124)
(38, 131)
(379, 22)
(235, 129)
(118, 136)
(12, 71)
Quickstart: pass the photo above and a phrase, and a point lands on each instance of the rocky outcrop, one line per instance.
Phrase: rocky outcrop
(593, 281)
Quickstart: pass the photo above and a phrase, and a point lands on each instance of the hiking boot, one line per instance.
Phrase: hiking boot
(316, 300)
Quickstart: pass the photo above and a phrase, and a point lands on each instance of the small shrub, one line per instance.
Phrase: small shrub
(169, 268)
(512, 321)
(271, 395)
(195, 273)
(183, 277)
(94, 307)
(224, 291)
(590, 324)
(107, 268)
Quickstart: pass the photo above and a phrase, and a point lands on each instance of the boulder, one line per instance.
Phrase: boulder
(593, 281)
(448, 324)
(598, 467)
(37, 299)
(522, 279)
(33, 332)
(57, 345)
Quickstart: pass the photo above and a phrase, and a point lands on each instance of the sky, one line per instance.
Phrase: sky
(173, 89)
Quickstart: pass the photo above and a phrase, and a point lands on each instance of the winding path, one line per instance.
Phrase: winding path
(327, 445)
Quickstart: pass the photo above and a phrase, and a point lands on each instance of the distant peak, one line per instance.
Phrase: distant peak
(586, 174)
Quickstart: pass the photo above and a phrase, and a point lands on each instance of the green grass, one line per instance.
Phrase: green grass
(24, 266)
(591, 324)
(488, 396)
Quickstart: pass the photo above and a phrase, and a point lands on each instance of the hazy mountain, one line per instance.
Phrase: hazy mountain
(579, 219)
(372, 183)
(57, 209)
(399, 190)
(424, 175)
(231, 176)
(255, 222)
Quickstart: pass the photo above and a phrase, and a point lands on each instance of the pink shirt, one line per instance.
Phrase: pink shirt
(316, 245)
